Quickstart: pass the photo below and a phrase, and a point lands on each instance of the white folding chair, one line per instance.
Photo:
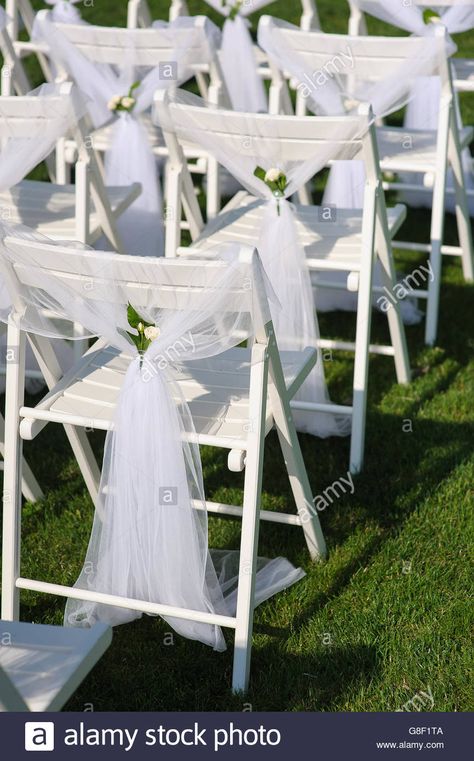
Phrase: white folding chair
(351, 245)
(422, 111)
(402, 150)
(80, 212)
(235, 399)
(42, 666)
(148, 48)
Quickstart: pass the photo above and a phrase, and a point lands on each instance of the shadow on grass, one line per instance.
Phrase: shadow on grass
(149, 676)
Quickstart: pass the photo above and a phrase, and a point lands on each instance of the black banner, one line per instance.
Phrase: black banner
(328, 736)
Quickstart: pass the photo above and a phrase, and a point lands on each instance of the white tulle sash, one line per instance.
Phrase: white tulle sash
(295, 323)
(240, 67)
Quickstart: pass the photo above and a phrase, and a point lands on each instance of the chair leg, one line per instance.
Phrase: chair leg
(434, 286)
(78, 440)
(462, 207)
(213, 189)
(436, 233)
(12, 477)
(293, 457)
(30, 487)
(86, 461)
(250, 521)
(363, 328)
(394, 317)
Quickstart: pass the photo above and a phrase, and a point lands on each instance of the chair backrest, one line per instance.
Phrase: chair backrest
(41, 121)
(369, 59)
(31, 115)
(148, 48)
(333, 69)
(108, 44)
(295, 138)
(146, 282)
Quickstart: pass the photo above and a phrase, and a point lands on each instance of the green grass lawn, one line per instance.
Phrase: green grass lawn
(389, 614)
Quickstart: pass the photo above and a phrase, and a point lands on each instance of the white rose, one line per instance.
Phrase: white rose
(273, 175)
(128, 102)
(351, 103)
(140, 327)
(114, 102)
(152, 333)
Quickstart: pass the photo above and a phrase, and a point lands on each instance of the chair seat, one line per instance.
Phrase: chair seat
(51, 209)
(338, 242)
(463, 74)
(405, 150)
(47, 663)
(216, 390)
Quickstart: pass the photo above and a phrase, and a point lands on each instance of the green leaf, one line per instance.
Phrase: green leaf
(132, 88)
(133, 317)
(428, 14)
(234, 11)
(260, 173)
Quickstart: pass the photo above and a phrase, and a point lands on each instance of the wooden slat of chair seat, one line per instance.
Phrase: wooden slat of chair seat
(337, 242)
(217, 391)
(408, 150)
(51, 209)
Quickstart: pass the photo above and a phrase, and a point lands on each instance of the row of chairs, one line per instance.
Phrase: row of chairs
(265, 381)
(403, 151)
(328, 248)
